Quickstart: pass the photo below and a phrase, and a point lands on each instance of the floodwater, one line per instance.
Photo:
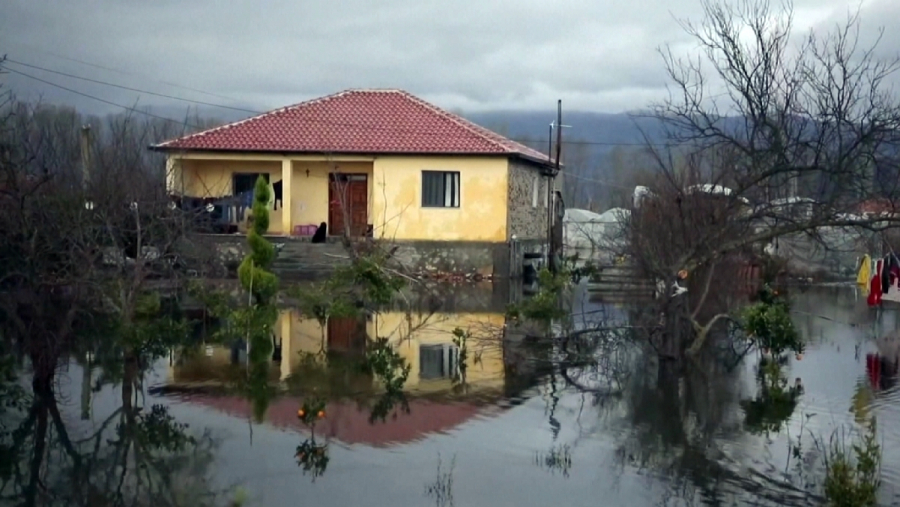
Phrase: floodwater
(517, 431)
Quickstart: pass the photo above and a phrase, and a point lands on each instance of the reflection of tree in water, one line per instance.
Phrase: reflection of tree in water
(136, 456)
(775, 401)
(311, 456)
(326, 378)
(336, 377)
(441, 490)
(673, 430)
(392, 371)
(558, 459)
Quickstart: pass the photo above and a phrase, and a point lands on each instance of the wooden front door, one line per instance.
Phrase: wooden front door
(348, 197)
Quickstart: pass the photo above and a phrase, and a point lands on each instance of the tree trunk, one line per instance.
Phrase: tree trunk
(677, 330)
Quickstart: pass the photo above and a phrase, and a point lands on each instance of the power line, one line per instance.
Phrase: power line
(123, 72)
(594, 143)
(525, 141)
(111, 103)
(114, 85)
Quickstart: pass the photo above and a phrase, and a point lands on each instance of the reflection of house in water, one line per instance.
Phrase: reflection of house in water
(438, 398)
(424, 341)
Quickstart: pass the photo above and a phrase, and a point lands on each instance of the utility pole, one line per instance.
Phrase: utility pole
(550, 144)
(558, 132)
(551, 247)
(85, 156)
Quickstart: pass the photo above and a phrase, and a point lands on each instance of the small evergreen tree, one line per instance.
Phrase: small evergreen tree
(259, 317)
(254, 272)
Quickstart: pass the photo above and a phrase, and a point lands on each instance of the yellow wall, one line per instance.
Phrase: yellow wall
(484, 344)
(397, 192)
(310, 193)
(212, 178)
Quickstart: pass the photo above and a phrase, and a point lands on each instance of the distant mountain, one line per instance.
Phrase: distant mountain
(598, 149)
(599, 129)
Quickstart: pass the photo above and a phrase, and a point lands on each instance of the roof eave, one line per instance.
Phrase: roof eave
(546, 165)
(161, 147)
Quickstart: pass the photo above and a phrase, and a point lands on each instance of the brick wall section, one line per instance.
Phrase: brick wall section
(525, 221)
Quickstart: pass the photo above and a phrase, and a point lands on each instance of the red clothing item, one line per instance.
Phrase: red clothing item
(873, 368)
(875, 294)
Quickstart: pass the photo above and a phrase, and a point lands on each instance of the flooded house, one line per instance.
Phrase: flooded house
(383, 164)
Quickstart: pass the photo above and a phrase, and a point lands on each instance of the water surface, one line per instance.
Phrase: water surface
(515, 432)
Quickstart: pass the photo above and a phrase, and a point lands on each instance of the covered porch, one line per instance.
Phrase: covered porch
(307, 191)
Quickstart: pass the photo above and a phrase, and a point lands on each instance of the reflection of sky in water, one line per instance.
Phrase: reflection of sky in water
(588, 312)
(495, 452)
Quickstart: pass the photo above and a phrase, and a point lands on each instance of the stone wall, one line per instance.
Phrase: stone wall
(526, 221)
(297, 258)
(453, 257)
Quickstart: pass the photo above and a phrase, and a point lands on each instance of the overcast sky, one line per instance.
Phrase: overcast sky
(598, 55)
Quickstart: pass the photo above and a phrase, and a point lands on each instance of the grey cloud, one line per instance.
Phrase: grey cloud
(504, 54)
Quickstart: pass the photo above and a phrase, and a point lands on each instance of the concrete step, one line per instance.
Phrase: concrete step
(308, 258)
(620, 290)
(609, 284)
(617, 276)
(299, 256)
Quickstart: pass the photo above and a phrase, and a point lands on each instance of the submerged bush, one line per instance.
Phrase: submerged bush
(768, 324)
(852, 478)
(543, 307)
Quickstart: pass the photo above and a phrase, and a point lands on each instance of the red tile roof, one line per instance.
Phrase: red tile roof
(357, 121)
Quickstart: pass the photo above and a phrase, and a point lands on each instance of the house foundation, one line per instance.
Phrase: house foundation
(298, 258)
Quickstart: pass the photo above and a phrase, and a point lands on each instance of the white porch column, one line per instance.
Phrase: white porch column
(287, 176)
(174, 176)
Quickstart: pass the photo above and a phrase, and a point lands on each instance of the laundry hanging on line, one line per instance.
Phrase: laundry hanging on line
(864, 274)
(884, 279)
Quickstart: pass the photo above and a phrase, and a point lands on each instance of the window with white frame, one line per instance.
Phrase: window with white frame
(535, 191)
(440, 189)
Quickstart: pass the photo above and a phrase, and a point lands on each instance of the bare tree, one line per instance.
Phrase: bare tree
(812, 120)
(87, 226)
